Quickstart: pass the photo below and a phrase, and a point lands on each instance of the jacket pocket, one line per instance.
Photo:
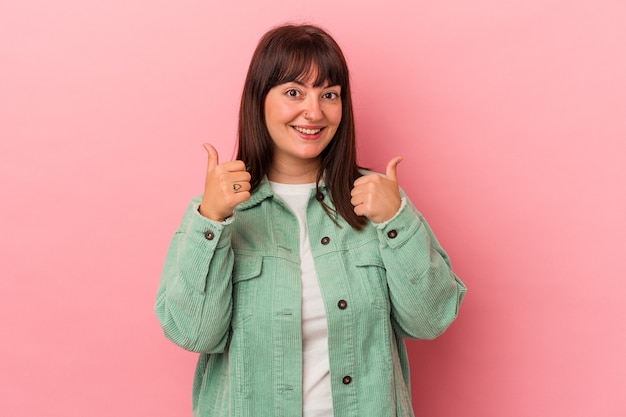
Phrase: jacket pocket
(246, 267)
(246, 271)
(373, 276)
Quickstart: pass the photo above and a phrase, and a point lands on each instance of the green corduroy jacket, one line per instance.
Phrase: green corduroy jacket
(232, 292)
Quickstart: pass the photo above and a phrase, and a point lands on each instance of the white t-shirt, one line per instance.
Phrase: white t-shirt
(317, 398)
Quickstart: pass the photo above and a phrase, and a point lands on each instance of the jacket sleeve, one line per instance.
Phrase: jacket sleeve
(425, 294)
(194, 298)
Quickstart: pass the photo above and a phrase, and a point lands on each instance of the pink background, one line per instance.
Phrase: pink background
(511, 117)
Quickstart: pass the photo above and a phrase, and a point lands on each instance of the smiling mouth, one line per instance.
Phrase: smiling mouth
(308, 131)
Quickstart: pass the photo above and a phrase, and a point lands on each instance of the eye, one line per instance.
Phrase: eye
(330, 95)
(292, 92)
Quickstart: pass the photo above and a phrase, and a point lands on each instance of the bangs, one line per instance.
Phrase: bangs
(305, 60)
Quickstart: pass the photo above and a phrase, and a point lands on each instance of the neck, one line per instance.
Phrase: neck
(293, 173)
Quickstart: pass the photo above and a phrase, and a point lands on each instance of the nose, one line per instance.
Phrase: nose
(312, 109)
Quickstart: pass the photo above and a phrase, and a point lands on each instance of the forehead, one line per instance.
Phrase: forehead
(307, 71)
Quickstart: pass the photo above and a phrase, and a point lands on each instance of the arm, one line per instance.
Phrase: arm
(424, 292)
(194, 298)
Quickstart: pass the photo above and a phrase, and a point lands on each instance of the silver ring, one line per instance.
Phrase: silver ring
(236, 187)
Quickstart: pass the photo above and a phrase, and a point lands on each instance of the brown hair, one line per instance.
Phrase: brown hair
(290, 53)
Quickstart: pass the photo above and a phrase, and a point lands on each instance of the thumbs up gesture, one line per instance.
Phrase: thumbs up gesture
(226, 185)
(376, 197)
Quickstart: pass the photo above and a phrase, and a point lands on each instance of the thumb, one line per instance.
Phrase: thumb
(391, 168)
(214, 158)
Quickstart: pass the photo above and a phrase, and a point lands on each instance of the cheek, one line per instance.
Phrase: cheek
(334, 115)
(278, 114)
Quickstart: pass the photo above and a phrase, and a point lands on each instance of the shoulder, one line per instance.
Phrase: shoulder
(365, 171)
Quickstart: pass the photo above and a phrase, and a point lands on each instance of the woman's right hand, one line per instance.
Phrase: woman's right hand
(226, 185)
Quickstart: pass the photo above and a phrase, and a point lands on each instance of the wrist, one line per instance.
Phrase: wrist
(216, 217)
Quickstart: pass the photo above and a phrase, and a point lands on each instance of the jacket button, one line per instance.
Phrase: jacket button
(319, 196)
(209, 235)
(342, 304)
(325, 240)
(392, 234)
(346, 379)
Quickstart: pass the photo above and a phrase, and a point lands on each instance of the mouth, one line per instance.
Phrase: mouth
(307, 131)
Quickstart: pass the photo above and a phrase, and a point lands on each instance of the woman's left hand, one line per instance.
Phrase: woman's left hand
(376, 197)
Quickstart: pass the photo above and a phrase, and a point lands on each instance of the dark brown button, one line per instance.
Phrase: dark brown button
(346, 379)
(392, 234)
(342, 304)
(209, 235)
(319, 196)
(325, 240)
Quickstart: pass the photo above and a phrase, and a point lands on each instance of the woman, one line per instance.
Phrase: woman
(296, 275)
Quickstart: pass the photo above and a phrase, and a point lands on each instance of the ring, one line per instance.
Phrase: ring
(236, 187)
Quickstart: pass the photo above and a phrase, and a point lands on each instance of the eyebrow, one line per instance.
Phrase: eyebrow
(300, 83)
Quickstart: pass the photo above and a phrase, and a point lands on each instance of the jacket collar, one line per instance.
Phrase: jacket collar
(263, 191)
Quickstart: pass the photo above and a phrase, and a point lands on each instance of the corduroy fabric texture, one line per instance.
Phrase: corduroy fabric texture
(232, 292)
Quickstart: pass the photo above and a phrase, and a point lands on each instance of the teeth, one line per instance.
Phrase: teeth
(307, 131)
